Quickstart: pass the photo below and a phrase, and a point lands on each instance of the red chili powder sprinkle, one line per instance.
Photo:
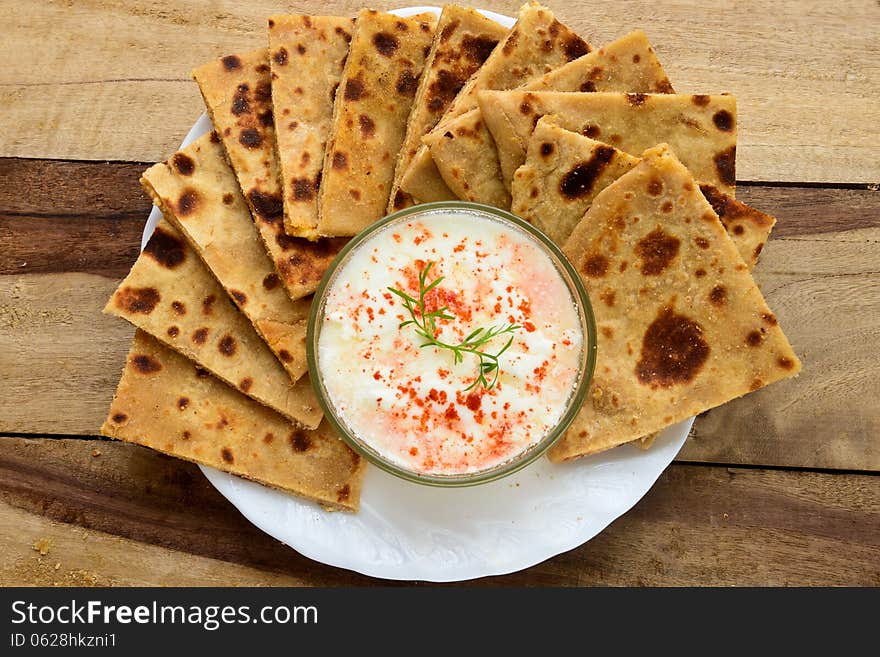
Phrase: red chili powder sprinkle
(528, 326)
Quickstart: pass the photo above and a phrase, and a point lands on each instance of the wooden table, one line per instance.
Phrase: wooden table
(778, 488)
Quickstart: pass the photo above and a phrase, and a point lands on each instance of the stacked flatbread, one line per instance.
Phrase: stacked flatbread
(333, 122)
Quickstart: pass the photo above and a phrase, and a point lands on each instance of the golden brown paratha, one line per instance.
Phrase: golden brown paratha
(373, 103)
(166, 403)
(562, 174)
(197, 192)
(237, 94)
(537, 44)
(306, 57)
(702, 129)
(171, 294)
(682, 326)
(463, 40)
(465, 153)
(564, 171)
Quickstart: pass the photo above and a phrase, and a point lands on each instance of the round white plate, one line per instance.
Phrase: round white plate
(408, 531)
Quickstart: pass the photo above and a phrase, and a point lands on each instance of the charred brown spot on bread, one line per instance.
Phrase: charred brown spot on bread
(145, 364)
(769, 318)
(407, 83)
(182, 403)
(546, 149)
(201, 372)
(655, 187)
(208, 304)
(723, 120)
(718, 295)
(700, 100)
(355, 194)
(607, 331)
(263, 92)
(240, 103)
(200, 335)
(525, 108)
(657, 250)
(343, 494)
(386, 44)
(595, 265)
(591, 131)
(608, 296)
(227, 345)
(166, 249)
(637, 58)
(270, 281)
(666, 207)
(178, 307)
(636, 99)
(449, 30)
(340, 161)
(581, 178)
(587, 86)
(183, 164)
(343, 33)
(215, 138)
(575, 47)
(664, 86)
(725, 164)
(701, 242)
(231, 62)
(755, 338)
(188, 202)
(510, 42)
(250, 138)
(301, 49)
(119, 418)
(700, 273)
(269, 438)
(262, 68)
(173, 331)
(400, 198)
(368, 126)
(721, 203)
(738, 229)
(239, 296)
(137, 300)
(285, 356)
(673, 350)
(265, 117)
(228, 199)
(443, 89)
(269, 207)
(785, 363)
(477, 48)
(302, 189)
(227, 455)
(299, 441)
(245, 384)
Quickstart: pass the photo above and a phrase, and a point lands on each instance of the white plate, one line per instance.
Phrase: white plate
(412, 532)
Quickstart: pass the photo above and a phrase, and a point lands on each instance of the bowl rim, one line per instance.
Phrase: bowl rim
(588, 357)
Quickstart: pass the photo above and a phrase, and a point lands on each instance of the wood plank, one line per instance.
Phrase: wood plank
(112, 81)
(131, 516)
(820, 263)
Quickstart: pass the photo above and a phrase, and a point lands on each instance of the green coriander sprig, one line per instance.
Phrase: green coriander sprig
(425, 325)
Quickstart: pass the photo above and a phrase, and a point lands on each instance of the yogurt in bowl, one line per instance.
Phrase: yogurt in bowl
(451, 343)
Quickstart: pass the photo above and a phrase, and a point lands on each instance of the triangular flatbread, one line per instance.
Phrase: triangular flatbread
(166, 403)
(306, 57)
(701, 129)
(197, 192)
(564, 171)
(537, 44)
(237, 94)
(682, 326)
(465, 153)
(373, 103)
(464, 38)
(171, 294)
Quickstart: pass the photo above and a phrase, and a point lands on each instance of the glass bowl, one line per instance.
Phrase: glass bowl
(587, 355)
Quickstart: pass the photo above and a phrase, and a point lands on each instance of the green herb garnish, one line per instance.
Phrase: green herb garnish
(425, 324)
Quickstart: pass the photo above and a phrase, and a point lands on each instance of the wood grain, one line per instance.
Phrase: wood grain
(111, 80)
(117, 513)
(64, 252)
